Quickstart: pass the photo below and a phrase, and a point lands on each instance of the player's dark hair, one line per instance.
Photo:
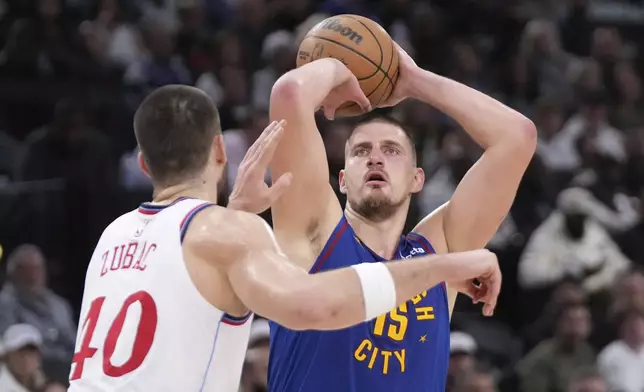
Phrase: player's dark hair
(385, 117)
(175, 126)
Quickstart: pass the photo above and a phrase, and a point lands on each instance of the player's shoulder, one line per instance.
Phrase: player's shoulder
(227, 230)
(119, 223)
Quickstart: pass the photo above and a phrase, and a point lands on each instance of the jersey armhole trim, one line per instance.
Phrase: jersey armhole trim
(234, 320)
(185, 223)
(329, 246)
(424, 242)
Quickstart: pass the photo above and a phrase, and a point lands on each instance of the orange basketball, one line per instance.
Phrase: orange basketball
(363, 46)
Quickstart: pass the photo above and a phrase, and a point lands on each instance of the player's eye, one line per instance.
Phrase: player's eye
(361, 152)
(391, 151)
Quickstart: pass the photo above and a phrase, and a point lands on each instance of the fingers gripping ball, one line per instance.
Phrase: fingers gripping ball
(363, 46)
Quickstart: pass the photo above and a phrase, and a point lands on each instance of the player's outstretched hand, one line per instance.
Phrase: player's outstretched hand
(250, 192)
(348, 91)
(485, 270)
(405, 81)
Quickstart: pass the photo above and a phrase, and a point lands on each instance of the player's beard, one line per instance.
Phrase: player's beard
(376, 208)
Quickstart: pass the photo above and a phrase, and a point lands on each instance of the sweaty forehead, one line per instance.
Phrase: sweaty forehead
(377, 132)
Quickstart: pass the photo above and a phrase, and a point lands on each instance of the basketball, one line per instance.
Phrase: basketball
(363, 46)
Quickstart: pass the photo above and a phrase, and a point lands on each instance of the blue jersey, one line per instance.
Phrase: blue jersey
(406, 349)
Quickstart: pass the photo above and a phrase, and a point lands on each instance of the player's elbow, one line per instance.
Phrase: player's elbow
(312, 313)
(526, 136)
(288, 91)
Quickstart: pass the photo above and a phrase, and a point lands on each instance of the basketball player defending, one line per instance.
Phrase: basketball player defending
(170, 285)
(406, 348)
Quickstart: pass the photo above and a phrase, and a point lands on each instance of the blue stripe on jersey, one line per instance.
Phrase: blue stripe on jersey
(188, 218)
(151, 209)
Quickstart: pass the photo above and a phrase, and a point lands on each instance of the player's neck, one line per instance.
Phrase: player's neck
(381, 237)
(197, 189)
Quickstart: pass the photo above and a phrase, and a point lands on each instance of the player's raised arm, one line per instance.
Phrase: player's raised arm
(485, 194)
(295, 97)
(271, 285)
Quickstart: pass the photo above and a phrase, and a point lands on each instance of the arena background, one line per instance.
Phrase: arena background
(570, 315)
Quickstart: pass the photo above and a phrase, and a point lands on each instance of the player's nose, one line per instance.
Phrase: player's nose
(375, 159)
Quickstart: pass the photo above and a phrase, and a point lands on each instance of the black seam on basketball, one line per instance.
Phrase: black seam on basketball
(382, 54)
(393, 48)
(356, 52)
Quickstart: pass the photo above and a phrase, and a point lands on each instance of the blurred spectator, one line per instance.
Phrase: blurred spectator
(627, 295)
(627, 112)
(69, 148)
(588, 381)
(569, 243)
(476, 381)
(278, 51)
(192, 34)
(549, 118)
(567, 293)
(550, 64)
(622, 362)
(608, 49)
(234, 108)
(22, 371)
(577, 28)
(25, 298)
(462, 357)
(591, 120)
(456, 158)
(465, 66)
(228, 51)
(237, 142)
(162, 65)
(550, 366)
(109, 39)
(588, 79)
(256, 364)
(44, 46)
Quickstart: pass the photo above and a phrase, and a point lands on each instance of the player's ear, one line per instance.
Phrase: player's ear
(142, 164)
(342, 183)
(219, 150)
(419, 180)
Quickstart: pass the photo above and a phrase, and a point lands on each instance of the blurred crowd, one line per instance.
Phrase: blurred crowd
(571, 314)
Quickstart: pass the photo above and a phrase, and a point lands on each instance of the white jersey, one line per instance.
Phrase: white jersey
(144, 326)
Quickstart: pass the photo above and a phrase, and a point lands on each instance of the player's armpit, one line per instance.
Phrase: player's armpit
(270, 284)
(310, 199)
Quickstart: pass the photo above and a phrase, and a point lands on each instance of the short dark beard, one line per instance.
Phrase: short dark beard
(376, 209)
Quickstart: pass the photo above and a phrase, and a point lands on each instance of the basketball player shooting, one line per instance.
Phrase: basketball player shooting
(170, 286)
(407, 347)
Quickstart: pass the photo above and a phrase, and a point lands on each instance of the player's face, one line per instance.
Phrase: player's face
(380, 172)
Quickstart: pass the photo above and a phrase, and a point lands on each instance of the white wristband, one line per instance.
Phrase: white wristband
(378, 288)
